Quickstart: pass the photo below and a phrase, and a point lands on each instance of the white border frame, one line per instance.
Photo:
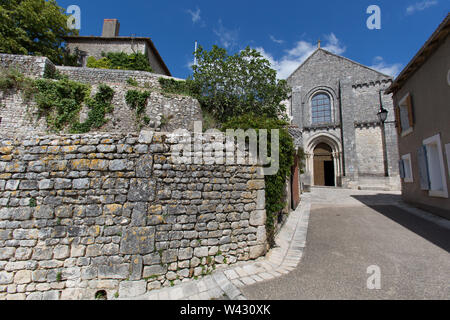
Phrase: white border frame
(410, 179)
(410, 129)
(437, 193)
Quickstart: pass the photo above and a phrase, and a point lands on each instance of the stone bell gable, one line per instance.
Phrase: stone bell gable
(334, 103)
(333, 67)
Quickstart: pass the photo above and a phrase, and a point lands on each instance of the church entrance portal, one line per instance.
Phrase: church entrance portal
(323, 166)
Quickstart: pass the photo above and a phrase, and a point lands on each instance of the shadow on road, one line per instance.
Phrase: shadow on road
(429, 230)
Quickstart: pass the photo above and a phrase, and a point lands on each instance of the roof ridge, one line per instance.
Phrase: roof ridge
(338, 56)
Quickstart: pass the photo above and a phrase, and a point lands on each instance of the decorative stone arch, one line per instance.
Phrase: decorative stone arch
(336, 152)
(333, 100)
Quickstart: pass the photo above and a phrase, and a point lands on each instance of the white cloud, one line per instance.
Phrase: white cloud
(195, 15)
(295, 56)
(333, 44)
(276, 40)
(227, 38)
(390, 69)
(420, 6)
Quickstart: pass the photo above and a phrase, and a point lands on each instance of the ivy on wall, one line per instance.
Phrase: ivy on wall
(60, 101)
(275, 184)
(137, 100)
(99, 106)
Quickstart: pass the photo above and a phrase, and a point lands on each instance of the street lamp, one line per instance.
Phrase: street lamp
(382, 116)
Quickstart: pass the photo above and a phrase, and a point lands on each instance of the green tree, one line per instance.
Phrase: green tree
(33, 27)
(233, 85)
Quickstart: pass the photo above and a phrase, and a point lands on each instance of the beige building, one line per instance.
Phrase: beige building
(110, 41)
(421, 96)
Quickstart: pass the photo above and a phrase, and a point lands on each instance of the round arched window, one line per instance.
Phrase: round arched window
(321, 108)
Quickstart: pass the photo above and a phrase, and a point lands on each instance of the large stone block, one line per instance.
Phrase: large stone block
(138, 240)
(130, 289)
(22, 277)
(257, 251)
(43, 212)
(155, 270)
(6, 277)
(142, 190)
(258, 218)
(115, 271)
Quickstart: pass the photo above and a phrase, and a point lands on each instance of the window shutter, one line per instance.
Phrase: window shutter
(410, 111)
(401, 167)
(398, 123)
(423, 168)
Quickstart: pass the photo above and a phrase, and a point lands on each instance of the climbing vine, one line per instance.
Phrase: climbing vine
(137, 100)
(60, 101)
(99, 106)
(275, 184)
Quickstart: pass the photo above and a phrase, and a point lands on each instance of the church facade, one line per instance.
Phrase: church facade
(334, 108)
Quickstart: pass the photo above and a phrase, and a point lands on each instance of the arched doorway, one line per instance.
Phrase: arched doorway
(324, 166)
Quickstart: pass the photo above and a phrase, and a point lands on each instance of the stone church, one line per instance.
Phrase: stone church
(334, 109)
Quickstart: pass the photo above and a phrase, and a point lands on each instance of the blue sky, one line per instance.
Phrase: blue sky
(285, 32)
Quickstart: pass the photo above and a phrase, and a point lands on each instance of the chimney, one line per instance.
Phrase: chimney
(111, 28)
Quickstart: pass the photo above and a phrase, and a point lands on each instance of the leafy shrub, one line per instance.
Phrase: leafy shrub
(122, 61)
(102, 63)
(275, 184)
(132, 82)
(184, 87)
(12, 78)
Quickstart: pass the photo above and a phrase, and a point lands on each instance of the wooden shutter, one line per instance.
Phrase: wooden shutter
(410, 110)
(398, 123)
(423, 168)
(401, 167)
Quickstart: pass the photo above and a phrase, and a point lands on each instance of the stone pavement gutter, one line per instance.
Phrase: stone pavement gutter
(224, 284)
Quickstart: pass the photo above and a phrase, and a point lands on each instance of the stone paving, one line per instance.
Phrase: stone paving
(225, 283)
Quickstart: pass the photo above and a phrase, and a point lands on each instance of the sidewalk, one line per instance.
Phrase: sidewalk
(224, 284)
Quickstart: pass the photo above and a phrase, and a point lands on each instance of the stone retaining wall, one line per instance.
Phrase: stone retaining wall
(85, 213)
(93, 76)
(166, 112)
(31, 66)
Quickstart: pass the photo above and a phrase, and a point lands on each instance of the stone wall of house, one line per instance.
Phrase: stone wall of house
(166, 112)
(369, 149)
(114, 212)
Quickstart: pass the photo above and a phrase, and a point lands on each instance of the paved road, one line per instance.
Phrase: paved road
(352, 230)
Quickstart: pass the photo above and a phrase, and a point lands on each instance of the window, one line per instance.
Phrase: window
(404, 115)
(432, 170)
(321, 108)
(405, 169)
